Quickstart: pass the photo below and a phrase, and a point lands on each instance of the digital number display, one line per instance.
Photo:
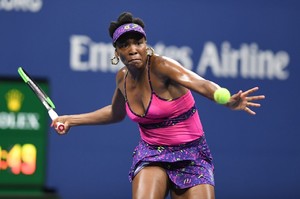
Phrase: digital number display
(19, 159)
(24, 126)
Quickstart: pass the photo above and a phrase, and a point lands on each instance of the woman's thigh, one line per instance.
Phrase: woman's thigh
(203, 191)
(150, 183)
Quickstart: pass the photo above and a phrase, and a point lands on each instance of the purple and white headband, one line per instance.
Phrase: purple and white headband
(127, 28)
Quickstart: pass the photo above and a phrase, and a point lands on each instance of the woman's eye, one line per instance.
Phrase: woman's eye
(139, 42)
(124, 45)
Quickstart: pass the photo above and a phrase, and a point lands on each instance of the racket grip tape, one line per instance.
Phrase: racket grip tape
(53, 115)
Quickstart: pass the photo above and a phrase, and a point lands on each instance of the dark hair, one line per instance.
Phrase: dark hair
(124, 18)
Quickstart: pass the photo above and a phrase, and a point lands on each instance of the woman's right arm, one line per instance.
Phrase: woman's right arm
(112, 113)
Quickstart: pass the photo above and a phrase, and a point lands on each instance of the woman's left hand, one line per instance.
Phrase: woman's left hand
(243, 101)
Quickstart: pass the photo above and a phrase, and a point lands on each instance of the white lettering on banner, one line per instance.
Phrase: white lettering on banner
(86, 55)
(180, 54)
(21, 5)
(248, 62)
(22, 121)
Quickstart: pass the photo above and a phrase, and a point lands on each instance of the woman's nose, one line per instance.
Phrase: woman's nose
(132, 50)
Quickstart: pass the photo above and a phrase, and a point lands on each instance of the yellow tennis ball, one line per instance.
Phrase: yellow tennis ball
(222, 95)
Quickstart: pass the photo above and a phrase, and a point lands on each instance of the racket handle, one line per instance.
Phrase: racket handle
(60, 126)
(53, 115)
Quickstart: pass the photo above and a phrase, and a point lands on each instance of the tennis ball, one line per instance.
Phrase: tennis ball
(222, 95)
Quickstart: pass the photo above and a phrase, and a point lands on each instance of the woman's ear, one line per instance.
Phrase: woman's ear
(116, 53)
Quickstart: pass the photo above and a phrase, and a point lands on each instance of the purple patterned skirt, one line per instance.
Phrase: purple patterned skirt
(187, 165)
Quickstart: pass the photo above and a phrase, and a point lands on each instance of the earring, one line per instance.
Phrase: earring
(150, 51)
(115, 60)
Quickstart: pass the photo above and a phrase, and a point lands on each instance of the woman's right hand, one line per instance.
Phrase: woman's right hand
(64, 121)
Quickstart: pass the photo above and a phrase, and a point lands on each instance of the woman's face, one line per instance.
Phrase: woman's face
(131, 48)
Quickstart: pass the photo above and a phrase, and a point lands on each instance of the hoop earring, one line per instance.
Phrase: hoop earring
(150, 51)
(115, 60)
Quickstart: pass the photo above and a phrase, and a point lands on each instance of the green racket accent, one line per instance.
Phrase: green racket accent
(50, 102)
(23, 75)
(32, 84)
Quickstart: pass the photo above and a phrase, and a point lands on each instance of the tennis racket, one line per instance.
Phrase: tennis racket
(46, 101)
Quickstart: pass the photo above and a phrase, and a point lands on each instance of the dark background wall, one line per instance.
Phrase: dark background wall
(238, 44)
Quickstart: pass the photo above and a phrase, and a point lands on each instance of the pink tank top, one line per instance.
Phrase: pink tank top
(168, 122)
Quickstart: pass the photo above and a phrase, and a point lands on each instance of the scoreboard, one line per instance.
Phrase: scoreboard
(23, 135)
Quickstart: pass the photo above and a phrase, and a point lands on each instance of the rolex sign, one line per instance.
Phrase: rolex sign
(23, 134)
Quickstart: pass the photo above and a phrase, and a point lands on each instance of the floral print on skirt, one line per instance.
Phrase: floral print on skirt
(187, 164)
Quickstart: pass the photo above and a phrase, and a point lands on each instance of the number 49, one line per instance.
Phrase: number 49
(22, 159)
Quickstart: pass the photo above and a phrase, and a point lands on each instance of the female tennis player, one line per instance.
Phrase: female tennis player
(155, 91)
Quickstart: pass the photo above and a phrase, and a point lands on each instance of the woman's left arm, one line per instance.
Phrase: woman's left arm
(187, 78)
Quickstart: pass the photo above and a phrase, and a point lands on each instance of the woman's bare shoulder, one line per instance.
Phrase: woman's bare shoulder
(121, 74)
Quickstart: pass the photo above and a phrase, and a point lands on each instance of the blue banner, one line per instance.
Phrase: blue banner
(237, 44)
